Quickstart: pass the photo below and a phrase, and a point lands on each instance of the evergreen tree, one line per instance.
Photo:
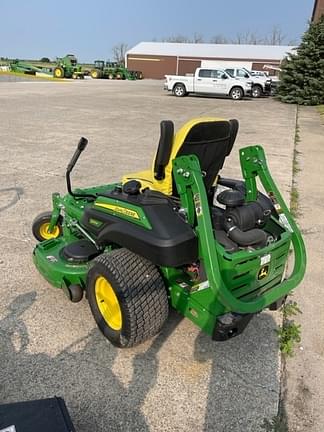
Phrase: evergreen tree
(302, 74)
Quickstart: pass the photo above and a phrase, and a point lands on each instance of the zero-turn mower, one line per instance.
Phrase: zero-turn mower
(178, 235)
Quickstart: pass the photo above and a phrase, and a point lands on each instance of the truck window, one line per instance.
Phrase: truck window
(230, 72)
(219, 74)
(242, 73)
(205, 73)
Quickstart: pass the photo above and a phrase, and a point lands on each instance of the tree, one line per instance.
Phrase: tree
(276, 37)
(198, 38)
(219, 39)
(177, 39)
(45, 60)
(302, 73)
(119, 52)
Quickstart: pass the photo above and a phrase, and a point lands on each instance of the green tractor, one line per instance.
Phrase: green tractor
(67, 67)
(113, 70)
(176, 235)
(98, 70)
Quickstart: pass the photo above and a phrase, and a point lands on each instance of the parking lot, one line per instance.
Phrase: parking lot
(179, 381)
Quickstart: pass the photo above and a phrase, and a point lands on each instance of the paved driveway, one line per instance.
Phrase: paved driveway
(181, 380)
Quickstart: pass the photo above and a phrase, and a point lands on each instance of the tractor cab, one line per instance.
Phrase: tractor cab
(99, 64)
(72, 59)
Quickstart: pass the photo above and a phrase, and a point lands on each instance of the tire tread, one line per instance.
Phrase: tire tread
(141, 291)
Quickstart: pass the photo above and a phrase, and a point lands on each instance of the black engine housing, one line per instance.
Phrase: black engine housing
(242, 221)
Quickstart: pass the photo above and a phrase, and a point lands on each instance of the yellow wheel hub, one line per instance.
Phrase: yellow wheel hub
(45, 234)
(58, 73)
(108, 303)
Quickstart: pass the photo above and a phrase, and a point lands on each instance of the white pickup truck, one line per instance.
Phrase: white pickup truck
(208, 81)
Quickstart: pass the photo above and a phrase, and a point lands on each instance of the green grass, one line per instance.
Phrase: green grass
(294, 201)
(275, 425)
(289, 334)
(294, 195)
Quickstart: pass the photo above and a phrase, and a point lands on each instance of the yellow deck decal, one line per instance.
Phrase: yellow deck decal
(118, 209)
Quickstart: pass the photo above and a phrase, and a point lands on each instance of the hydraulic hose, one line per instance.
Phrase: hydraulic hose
(254, 237)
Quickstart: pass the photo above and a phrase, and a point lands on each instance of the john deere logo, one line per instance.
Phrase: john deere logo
(263, 272)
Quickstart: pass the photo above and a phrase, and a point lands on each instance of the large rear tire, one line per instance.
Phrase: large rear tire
(127, 297)
(94, 74)
(58, 72)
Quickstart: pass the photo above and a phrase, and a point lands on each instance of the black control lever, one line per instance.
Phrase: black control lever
(81, 146)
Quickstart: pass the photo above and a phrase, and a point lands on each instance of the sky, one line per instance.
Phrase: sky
(52, 28)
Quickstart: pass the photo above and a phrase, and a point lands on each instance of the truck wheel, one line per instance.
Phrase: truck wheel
(179, 90)
(40, 227)
(58, 72)
(119, 76)
(110, 76)
(236, 93)
(127, 297)
(256, 91)
(75, 76)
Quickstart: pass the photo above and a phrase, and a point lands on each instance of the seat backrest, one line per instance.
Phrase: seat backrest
(211, 139)
(211, 142)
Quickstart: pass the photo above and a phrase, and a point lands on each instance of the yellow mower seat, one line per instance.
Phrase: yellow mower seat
(207, 137)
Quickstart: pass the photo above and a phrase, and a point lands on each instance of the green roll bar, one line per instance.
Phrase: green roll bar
(188, 178)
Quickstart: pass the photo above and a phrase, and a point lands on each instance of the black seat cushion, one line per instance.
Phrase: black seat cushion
(211, 142)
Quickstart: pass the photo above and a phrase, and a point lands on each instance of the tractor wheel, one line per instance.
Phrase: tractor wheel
(75, 76)
(127, 297)
(111, 76)
(94, 74)
(40, 227)
(140, 75)
(58, 72)
(119, 76)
